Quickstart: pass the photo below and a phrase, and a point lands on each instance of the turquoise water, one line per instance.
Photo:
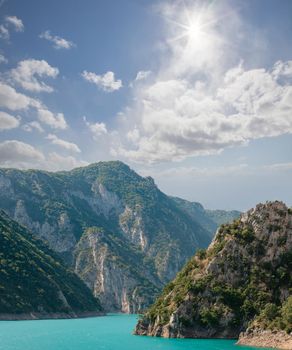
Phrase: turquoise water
(111, 332)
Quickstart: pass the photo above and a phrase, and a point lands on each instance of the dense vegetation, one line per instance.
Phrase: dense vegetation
(33, 278)
(152, 233)
(243, 276)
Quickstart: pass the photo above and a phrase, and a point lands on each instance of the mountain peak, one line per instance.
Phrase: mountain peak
(221, 290)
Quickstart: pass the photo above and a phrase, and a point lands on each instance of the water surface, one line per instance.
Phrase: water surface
(112, 332)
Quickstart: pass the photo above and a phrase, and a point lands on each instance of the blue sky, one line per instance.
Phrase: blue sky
(197, 94)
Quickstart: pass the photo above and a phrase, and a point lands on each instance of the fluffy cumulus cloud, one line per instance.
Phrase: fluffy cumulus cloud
(199, 102)
(17, 153)
(180, 119)
(70, 146)
(56, 121)
(58, 42)
(28, 75)
(13, 100)
(8, 121)
(15, 22)
(97, 129)
(105, 82)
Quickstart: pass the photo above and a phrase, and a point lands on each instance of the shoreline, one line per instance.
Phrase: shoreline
(31, 316)
(266, 339)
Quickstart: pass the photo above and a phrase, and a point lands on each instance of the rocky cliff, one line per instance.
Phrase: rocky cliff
(33, 281)
(223, 290)
(121, 234)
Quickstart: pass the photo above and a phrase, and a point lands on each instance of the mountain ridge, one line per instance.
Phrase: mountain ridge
(221, 291)
(33, 281)
(59, 207)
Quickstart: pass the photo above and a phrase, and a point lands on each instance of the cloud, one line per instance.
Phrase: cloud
(59, 43)
(58, 162)
(34, 125)
(105, 82)
(199, 102)
(56, 121)
(97, 129)
(17, 153)
(142, 74)
(7, 121)
(70, 146)
(178, 119)
(13, 100)
(4, 32)
(3, 59)
(15, 22)
(27, 74)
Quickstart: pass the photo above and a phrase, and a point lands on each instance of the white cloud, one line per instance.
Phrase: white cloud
(56, 121)
(57, 162)
(4, 32)
(199, 103)
(13, 100)
(59, 43)
(178, 119)
(97, 129)
(17, 153)
(28, 73)
(15, 22)
(106, 81)
(34, 125)
(142, 74)
(3, 59)
(8, 121)
(70, 146)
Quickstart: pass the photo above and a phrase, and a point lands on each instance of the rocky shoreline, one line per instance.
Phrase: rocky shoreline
(48, 316)
(266, 339)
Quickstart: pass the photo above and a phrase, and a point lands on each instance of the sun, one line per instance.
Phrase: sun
(195, 32)
(195, 26)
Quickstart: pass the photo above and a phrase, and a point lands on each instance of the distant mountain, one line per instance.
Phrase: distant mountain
(33, 281)
(122, 235)
(242, 280)
(208, 219)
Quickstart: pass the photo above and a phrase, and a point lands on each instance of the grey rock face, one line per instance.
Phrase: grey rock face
(147, 236)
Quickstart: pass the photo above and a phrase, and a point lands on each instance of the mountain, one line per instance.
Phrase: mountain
(33, 281)
(242, 280)
(122, 235)
(208, 219)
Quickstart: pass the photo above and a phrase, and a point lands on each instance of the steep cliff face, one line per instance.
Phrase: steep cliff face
(152, 228)
(33, 280)
(122, 280)
(221, 290)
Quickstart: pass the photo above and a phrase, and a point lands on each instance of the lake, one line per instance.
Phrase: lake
(112, 332)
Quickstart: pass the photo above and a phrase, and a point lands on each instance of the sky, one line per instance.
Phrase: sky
(196, 94)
